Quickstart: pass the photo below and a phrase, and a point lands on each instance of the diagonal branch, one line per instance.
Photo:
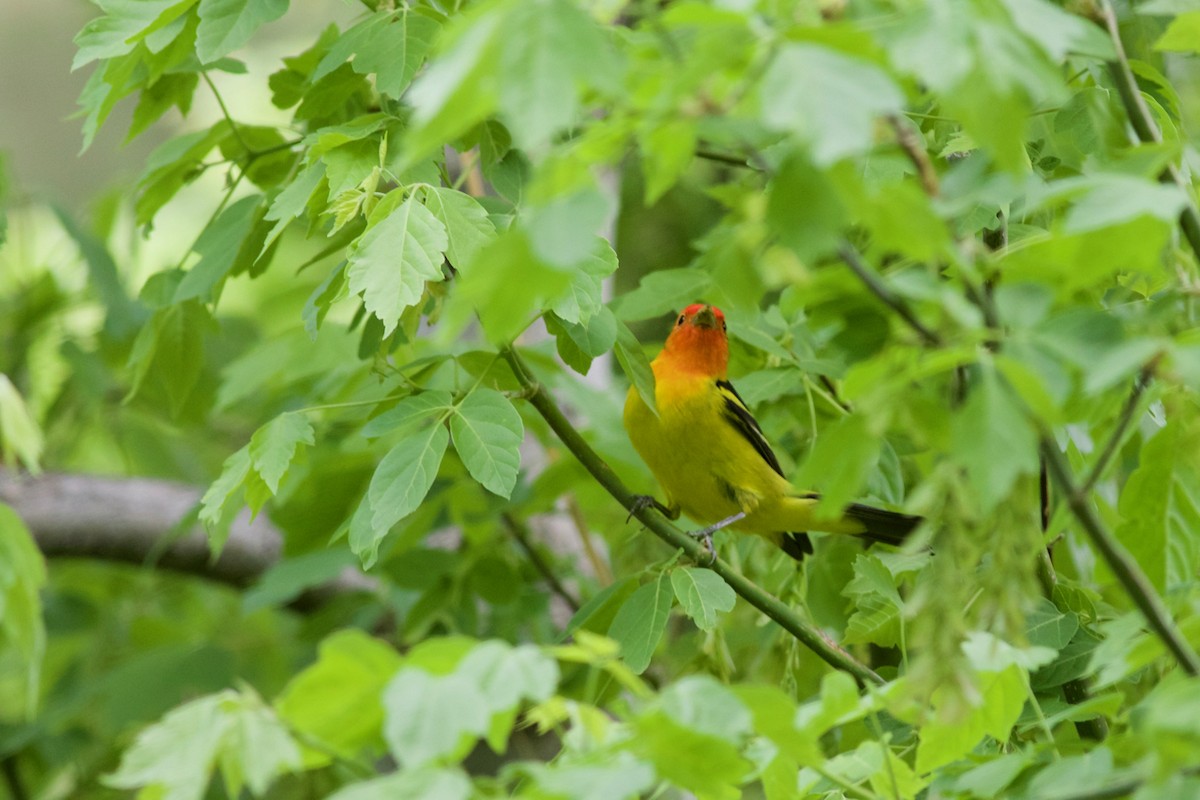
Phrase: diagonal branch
(875, 283)
(1135, 582)
(1123, 422)
(809, 635)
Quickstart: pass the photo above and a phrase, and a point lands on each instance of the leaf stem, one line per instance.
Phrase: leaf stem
(875, 283)
(810, 636)
(1123, 423)
(520, 532)
(237, 134)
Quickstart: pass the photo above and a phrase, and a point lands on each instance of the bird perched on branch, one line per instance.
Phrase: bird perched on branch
(711, 458)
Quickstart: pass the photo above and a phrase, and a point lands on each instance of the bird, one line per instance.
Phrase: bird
(710, 456)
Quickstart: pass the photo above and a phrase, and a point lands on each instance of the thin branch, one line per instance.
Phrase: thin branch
(1123, 422)
(807, 634)
(520, 532)
(875, 283)
(1144, 126)
(599, 567)
(910, 143)
(237, 134)
(1135, 582)
(725, 158)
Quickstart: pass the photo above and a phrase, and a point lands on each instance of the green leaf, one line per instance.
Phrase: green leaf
(841, 460)
(292, 200)
(667, 150)
(579, 344)
(662, 291)
(641, 622)
(878, 606)
(286, 580)
(702, 704)
(215, 513)
(993, 439)
(218, 246)
(411, 784)
(1160, 508)
(1074, 775)
(804, 209)
(273, 446)
(20, 435)
(1046, 626)
(124, 24)
(828, 99)
(338, 699)
(226, 25)
(1182, 35)
(22, 631)
(410, 412)
(487, 434)
(548, 47)
(622, 775)
(404, 477)
(701, 763)
(468, 227)
(701, 594)
(392, 261)
(173, 758)
(390, 44)
(635, 365)
(954, 731)
(432, 718)
(168, 354)
(172, 165)
(582, 299)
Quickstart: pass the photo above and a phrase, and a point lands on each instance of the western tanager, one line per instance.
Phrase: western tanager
(710, 456)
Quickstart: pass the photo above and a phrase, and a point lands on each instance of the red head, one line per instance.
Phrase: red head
(698, 342)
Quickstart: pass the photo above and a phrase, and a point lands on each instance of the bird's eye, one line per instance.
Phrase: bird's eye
(681, 318)
(722, 324)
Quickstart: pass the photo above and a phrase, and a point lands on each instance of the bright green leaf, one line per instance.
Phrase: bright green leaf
(641, 622)
(404, 476)
(273, 446)
(701, 594)
(487, 434)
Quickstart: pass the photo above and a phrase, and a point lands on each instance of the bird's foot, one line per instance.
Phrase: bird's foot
(643, 501)
(705, 537)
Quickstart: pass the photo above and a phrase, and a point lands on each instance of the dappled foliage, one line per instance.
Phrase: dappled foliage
(956, 244)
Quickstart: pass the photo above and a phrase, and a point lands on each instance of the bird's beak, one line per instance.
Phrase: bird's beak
(705, 318)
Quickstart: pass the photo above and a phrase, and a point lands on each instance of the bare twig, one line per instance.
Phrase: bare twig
(725, 158)
(599, 566)
(520, 532)
(875, 283)
(810, 636)
(910, 143)
(1123, 423)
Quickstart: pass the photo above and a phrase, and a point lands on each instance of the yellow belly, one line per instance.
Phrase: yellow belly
(709, 472)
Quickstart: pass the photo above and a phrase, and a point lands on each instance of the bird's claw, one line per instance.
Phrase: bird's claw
(705, 537)
(640, 503)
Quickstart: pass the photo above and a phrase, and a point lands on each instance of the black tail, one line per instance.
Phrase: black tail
(796, 545)
(888, 527)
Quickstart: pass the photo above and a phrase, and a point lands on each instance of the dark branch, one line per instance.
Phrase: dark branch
(875, 283)
(520, 532)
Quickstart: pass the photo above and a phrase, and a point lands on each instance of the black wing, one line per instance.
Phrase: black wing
(743, 421)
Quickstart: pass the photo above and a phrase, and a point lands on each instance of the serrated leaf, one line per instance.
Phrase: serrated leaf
(404, 477)
(226, 25)
(273, 446)
(213, 513)
(393, 259)
(487, 434)
(468, 227)
(390, 44)
(701, 594)
(218, 246)
(292, 200)
(1046, 626)
(173, 758)
(1182, 34)
(878, 606)
(124, 24)
(635, 365)
(641, 622)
